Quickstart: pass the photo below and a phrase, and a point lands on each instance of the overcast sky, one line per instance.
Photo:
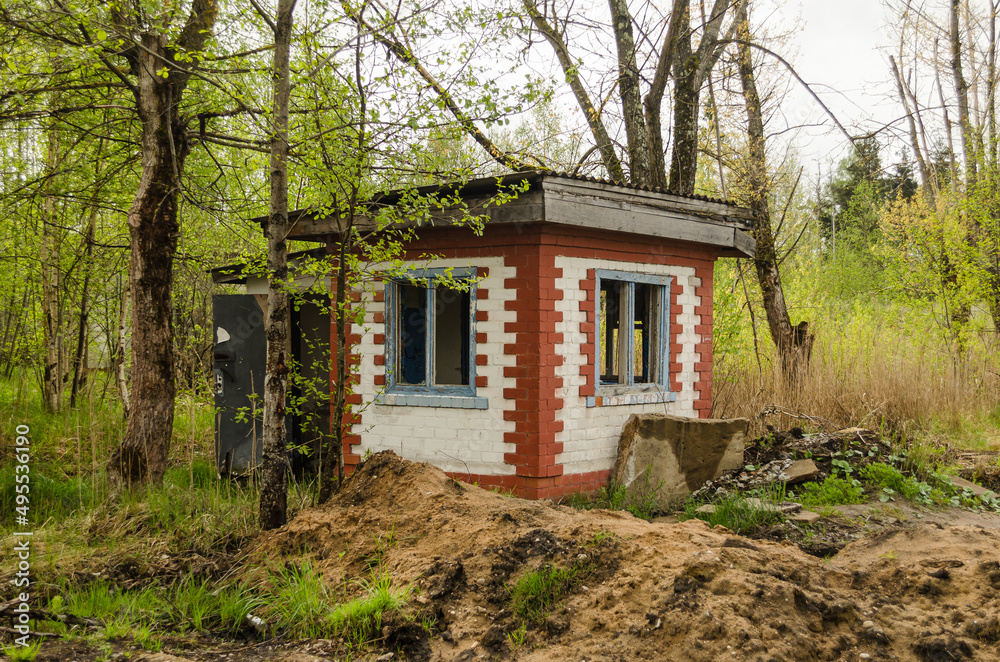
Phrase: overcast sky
(838, 54)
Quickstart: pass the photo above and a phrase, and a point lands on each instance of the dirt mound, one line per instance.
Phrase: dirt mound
(641, 590)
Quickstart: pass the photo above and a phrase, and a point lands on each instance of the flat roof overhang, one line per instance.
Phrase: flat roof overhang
(561, 199)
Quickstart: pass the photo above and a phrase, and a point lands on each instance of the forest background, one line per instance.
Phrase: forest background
(891, 257)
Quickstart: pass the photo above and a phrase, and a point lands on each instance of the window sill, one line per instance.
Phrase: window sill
(618, 396)
(430, 400)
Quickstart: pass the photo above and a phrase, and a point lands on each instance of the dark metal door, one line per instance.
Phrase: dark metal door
(240, 358)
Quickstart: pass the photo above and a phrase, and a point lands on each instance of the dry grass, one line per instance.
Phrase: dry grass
(878, 379)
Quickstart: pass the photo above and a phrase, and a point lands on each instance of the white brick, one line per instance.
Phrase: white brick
(590, 435)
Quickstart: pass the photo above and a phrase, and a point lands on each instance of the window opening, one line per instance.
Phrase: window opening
(451, 342)
(632, 335)
(431, 344)
(413, 334)
(610, 319)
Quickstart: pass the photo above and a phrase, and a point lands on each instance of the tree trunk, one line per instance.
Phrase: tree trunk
(571, 70)
(52, 383)
(80, 357)
(794, 343)
(654, 98)
(628, 87)
(684, 156)
(120, 353)
(333, 466)
(962, 92)
(691, 67)
(274, 480)
(153, 230)
(925, 174)
(79, 362)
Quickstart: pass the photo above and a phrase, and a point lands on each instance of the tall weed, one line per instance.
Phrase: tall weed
(881, 362)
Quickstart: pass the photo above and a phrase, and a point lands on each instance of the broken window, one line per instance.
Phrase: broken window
(430, 334)
(633, 345)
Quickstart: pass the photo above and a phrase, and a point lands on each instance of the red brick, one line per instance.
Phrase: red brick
(482, 381)
(379, 380)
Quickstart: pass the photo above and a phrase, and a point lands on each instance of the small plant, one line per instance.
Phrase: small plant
(360, 620)
(740, 513)
(600, 537)
(18, 653)
(891, 481)
(833, 491)
(640, 498)
(145, 637)
(534, 594)
(299, 603)
(828, 512)
(518, 636)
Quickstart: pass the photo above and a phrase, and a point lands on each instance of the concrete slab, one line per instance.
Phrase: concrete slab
(963, 484)
(801, 471)
(674, 456)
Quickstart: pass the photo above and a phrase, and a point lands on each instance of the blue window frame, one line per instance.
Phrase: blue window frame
(633, 339)
(431, 339)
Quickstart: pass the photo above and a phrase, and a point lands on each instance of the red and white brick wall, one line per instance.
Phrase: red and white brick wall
(590, 434)
(536, 341)
(469, 443)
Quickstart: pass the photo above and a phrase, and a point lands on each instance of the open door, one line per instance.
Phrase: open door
(239, 365)
(240, 355)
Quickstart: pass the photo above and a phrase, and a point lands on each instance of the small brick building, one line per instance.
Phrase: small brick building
(523, 379)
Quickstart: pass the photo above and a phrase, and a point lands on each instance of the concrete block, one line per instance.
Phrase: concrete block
(805, 517)
(801, 471)
(677, 454)
(977, 490)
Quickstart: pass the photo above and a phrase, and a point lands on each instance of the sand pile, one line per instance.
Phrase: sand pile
(647, 591)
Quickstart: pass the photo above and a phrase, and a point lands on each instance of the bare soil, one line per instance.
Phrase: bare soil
(914, 588)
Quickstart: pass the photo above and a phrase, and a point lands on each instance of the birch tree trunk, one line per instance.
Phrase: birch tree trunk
(969, 151)
(274, 480)
(49, 261)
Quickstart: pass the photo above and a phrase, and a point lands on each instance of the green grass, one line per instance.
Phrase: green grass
(736, 513)
(640, 499)
(300, 605)
(832, 491)
(360, 619)
(16, 653)
(535, 593)
(294, 602)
